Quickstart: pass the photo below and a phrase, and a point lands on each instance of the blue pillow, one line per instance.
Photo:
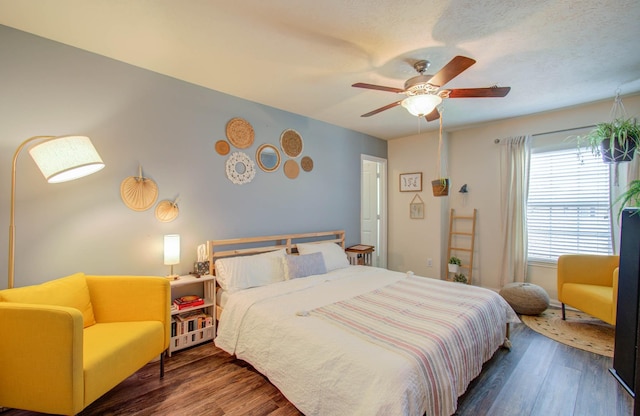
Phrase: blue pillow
(304, 265)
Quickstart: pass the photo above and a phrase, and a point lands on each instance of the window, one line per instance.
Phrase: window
(568, 205)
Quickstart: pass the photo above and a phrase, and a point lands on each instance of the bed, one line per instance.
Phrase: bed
(341, 339)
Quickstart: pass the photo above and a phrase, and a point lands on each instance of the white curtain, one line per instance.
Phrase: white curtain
(514, 174)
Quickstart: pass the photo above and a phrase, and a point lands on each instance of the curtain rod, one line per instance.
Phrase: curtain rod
(563, 130)
(497, 141)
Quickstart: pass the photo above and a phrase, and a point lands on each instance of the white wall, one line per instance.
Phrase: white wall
(474, 159)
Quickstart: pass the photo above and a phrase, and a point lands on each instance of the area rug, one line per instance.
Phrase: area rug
(579, 330)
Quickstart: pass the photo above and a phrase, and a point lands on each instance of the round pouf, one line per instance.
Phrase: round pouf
(525, 298)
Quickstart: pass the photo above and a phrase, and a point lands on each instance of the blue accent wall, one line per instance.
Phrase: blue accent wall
(169, 127)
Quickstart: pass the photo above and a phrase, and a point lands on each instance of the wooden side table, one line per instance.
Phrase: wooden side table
(360, 254)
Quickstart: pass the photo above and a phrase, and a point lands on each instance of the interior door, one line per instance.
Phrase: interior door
(373, 207)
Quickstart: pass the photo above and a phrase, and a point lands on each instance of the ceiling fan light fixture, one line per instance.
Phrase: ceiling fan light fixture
(421, 105)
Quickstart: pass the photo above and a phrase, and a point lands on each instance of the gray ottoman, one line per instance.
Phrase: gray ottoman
(525, 298)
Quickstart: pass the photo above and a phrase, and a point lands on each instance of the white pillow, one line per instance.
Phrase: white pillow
(334, 255)
(243, 272)
(304, 265)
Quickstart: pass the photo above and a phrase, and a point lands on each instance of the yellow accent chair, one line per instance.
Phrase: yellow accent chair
(66, 342)
(589, 283)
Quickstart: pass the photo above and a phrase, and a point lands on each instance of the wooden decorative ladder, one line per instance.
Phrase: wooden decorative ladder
(461, 241)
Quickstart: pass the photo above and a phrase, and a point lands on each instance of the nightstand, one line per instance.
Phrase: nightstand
(359, 254)
(196, 324)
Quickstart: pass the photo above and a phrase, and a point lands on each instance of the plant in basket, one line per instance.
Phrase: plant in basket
(460, 278)
(454, 264)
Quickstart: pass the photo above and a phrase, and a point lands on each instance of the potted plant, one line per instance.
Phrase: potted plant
(616, 141)
(630, 197)
(460, 278)
(454, 264)
(440, 187)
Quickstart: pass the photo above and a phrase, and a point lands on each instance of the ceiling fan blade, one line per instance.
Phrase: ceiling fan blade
(434, 115)
(479, 92)
(451, 70)
(381, 109)
(377, 87)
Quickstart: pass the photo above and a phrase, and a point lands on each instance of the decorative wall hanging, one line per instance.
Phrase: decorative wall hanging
(138, 193)
(291, 143)
(416, 208)
(291, 169)
(307, 164)
(222, 147)
(268, 157)
(411, 182)
(240, 133)
(167, 211)
(240, 168)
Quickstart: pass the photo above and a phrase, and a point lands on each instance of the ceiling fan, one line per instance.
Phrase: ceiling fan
(424, 93)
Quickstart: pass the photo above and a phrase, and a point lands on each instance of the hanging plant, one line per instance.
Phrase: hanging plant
(617, 140)
(440, 186)
(454, 264)
(630, 197)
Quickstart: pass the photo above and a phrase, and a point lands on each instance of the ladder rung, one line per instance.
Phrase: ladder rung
(459, 233)
(462, 218)
(460, 249)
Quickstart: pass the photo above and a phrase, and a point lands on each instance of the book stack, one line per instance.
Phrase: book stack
(190, 321)
(188, 302)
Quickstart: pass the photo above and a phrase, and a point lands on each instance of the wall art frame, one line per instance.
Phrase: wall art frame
(411, 182)
(416, 208)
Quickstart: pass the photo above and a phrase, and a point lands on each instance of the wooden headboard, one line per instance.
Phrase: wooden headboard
(255, 245)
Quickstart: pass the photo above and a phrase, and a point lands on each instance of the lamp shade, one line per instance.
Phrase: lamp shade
(66, 158)
(421, 105)
(171, 249)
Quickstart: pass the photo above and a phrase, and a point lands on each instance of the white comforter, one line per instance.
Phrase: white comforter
(321, 368)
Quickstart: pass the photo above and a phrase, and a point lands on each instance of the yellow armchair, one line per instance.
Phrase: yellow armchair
(68, 341)
(589, 283)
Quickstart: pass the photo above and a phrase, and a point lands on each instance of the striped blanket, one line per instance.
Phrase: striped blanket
(447, 333)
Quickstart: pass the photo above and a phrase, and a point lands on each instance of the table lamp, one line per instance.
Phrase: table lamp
(171, 253)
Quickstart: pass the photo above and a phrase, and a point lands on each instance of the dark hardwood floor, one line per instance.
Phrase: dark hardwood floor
(537, 377)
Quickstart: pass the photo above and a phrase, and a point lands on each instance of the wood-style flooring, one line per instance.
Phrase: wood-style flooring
(537, 377)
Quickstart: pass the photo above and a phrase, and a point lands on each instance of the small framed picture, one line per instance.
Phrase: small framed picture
(411, 182)
(416, 208)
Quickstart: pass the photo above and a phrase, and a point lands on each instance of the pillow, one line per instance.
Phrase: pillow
(304, 265)
(334, 255)
(71, 291)
(243, 272)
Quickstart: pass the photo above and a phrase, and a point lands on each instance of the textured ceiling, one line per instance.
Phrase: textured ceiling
(303, 56)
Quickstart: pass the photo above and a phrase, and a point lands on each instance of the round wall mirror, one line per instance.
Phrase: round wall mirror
(268, 157)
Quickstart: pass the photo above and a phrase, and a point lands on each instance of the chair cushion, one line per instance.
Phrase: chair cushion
(115, 350)
(595, 300)
(71, 291)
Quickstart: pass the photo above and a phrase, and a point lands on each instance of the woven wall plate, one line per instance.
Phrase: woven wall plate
(291, 169)
(167, 211)
(240, 133)
(307, 164)
(222, 147)
(138, 193)
(291, 143)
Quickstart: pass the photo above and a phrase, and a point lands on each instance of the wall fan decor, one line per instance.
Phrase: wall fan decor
(424, 92)
(291, 143)
(138, 193)
(167, 211)
(240, 168)
(240, 133)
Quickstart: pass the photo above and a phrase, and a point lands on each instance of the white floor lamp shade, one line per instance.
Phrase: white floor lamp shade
(60, 159)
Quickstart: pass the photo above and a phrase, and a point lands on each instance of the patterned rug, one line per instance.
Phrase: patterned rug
(579, 330)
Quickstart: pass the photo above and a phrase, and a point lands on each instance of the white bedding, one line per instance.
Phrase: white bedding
(324, 369)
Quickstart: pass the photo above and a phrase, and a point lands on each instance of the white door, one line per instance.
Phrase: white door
(373, 207)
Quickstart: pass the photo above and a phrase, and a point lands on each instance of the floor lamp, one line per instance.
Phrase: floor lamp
(60, 159)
